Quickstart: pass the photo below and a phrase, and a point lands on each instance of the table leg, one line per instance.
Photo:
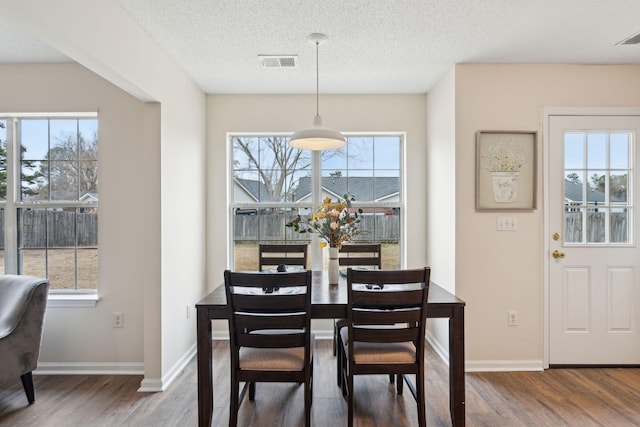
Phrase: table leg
(456, 367)
(205, 368)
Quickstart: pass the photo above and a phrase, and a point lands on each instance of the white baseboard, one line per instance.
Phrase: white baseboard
(503, 365)
(106, 368)
(486, 365)
(151, 385)
(89, 368)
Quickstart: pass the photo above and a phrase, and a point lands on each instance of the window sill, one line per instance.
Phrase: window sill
(72, 301)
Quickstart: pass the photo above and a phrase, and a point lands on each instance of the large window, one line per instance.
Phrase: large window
(49, 199)
(273, 182)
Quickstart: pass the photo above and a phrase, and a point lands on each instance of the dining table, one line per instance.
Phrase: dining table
(329, 301)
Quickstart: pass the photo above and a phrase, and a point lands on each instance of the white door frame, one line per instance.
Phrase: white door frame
(546, 232)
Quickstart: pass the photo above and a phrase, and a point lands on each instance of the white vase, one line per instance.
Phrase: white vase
(334, 268)
(505, 186)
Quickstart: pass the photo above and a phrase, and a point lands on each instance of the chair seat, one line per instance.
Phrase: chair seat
(274, 359)
(380, 353)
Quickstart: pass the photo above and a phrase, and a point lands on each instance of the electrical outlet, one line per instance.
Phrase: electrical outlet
(118, 319)
(189, 311)
(512, 318)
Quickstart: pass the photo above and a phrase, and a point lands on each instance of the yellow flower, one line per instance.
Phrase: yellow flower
(333, 222)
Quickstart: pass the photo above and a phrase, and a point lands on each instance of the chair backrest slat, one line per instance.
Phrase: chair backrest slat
(258, 340)
(270, 303)
(361, 255)
(367, 317)
(386, 335)
(253, 322)
(274, 255)
(384, 297)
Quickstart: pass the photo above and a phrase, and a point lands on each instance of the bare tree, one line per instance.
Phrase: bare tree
(71, 168)
(275, 161)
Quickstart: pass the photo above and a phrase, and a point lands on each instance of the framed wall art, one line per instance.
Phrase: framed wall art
(505, 170)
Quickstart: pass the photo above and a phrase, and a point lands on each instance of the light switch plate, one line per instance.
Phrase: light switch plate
(506, 223)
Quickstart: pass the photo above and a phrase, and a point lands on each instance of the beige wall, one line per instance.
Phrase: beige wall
(169, 148)
(500, 271)
(85, 335)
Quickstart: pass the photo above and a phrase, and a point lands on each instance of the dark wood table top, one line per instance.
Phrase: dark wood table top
(330, 301)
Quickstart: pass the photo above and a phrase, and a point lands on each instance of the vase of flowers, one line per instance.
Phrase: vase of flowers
(335, 223)
(504, 162)
(333, 266)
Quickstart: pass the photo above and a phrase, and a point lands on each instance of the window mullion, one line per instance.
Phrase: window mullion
(13, 191)
(316, 173)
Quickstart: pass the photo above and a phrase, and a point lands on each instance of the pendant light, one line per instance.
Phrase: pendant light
(317, 137)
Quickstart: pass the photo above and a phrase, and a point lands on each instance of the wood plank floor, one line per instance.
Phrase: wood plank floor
(559, 397)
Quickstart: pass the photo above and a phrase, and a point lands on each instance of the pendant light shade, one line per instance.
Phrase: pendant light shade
(317, 137)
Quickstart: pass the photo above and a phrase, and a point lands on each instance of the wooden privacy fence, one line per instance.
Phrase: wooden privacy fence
(378, 228)
(48, 228)
(596, 227)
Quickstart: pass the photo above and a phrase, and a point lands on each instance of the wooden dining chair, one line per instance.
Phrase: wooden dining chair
(385, 332)
(270, 334)
(361, 255)
(274, 255)
(369, 256)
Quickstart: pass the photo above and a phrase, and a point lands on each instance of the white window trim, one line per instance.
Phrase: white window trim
(66, 299)
(79, 300)
(316, 160)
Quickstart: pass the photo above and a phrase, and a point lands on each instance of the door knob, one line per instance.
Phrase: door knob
(557, 254)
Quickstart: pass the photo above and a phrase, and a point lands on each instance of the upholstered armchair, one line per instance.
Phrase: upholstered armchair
(23, 300)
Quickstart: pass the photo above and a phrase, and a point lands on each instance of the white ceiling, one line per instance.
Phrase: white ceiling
(374, 46)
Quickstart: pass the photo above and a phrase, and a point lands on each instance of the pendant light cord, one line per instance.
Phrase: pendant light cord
(317, 80)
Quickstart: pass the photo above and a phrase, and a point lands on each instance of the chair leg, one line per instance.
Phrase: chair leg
(335, 339)
(27, 384)
(339, 361)
(307, 402)
(400, 384)
(350, 400)
(421, 398)
(252, 391)
(342, 370)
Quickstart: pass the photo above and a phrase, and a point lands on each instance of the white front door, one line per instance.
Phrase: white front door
(594, 279)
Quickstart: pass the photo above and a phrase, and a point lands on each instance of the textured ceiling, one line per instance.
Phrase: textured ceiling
(374, 46)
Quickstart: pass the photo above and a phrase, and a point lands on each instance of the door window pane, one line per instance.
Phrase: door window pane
(596, 150)
(595, 190)
(574, 150)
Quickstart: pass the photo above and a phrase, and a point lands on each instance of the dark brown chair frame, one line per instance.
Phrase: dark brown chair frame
(374, 260)
(283, 252)
(269, 321)
(370, 313)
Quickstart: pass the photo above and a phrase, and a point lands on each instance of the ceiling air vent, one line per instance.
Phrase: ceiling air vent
(278, 61)
(634, 39)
